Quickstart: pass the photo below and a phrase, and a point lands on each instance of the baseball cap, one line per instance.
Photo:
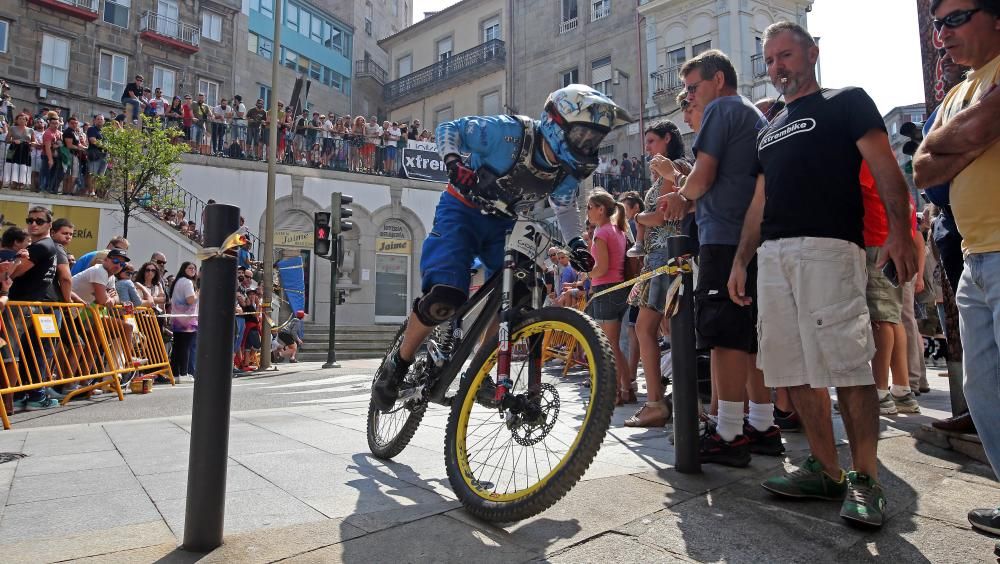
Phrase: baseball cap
(118, 254)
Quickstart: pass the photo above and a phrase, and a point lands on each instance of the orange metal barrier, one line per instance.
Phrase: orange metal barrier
(45, 344)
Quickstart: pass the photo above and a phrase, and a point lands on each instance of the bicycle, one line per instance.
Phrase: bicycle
(518, 438)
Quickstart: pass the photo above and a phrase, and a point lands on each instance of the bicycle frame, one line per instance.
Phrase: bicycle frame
(526, 243)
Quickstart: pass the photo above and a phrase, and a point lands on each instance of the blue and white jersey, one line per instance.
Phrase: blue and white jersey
(494, 142)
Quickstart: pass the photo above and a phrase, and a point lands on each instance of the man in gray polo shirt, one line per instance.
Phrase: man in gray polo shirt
(722, 181)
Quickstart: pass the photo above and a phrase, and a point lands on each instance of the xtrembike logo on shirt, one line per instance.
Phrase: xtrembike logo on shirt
(786, 131)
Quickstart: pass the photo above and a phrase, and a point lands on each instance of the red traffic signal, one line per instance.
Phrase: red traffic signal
(321, 233)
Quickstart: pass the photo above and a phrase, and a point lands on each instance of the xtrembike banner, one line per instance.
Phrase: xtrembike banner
(424, 165)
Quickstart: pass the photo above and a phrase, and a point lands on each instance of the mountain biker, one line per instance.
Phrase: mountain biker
(512, 161)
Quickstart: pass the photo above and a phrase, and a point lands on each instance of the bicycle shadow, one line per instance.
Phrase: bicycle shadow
(411, 528)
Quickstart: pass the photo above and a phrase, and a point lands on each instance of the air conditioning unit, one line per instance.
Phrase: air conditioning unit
(43, 92)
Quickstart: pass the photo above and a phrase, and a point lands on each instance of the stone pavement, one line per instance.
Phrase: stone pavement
(301, 487)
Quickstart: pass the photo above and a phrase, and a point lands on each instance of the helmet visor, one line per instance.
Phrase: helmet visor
(584, 139)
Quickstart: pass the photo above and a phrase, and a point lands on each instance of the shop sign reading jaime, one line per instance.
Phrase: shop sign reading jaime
(392, 246)
(297, 239)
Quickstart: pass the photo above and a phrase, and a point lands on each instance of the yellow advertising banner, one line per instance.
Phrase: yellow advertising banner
(12, 214)
(298, 239)
(87, 222)
(393, 246)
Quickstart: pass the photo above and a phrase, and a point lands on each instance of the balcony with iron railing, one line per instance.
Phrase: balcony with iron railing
(83, 9)
(600, 10)
(666, 81)
(170, 32)
(367, 68)
(468, 65)
(569, 25)
(757, 65)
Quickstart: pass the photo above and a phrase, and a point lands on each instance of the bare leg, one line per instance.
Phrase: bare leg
(756, 390)
(859, 407)
(413, 336)
(900, 364)
(649, 349)
(782, 400)
(729, 366)
(884, 337)
(633, 353)
(813, 407)
(613, 330)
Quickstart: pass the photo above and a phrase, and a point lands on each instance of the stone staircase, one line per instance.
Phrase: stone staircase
(353, 341)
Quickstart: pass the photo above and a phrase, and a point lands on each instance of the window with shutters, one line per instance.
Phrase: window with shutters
(211, 25)
(491, 29)
(600, 75)
(54, 69)
(404, 66)
(490, 104)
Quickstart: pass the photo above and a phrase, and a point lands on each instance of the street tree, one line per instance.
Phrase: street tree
(142, 167)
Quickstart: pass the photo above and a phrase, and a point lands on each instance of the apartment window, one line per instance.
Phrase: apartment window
(491, 29)
(444, 48)
(210, 89)
(600, 9)
(758, 46)
(404, 66)
(165, 80)
(701, 48)
(570, 77)
(675, 57)
(316, 30)
(490, 104)
(211, 25)
(600, 75)
(292, 17)
(443, 115)
(4, 25)
(568, 10)
(54, 70)
(116, 12)
(111, 75)
(265, 47)
(264, 7)
(265, 93)
(335, 39)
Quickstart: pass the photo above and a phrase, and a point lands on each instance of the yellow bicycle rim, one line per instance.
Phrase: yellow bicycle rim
(469, 403)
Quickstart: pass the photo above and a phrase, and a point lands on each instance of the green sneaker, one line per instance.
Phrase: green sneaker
(865, 501)
(809, 481)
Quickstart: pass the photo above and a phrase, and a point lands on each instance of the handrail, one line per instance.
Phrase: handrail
(369, 68)
(90, 5)
(168, 27)
(492, 50)
(569, 25)
(666, 80)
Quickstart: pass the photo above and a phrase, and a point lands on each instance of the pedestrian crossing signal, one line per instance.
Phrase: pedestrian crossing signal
(321, 233)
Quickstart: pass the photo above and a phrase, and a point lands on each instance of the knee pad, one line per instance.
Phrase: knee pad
(439, 304)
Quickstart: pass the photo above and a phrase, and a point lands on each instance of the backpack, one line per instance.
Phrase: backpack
(235, 151)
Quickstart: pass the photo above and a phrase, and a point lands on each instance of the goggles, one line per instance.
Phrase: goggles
(584, 139)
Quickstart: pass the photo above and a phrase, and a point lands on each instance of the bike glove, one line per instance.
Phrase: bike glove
(579, 255)
(462, 177)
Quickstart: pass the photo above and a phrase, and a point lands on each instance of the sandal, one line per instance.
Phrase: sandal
(651, 414)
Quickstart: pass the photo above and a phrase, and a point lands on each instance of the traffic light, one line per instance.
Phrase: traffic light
(915, 131)
(340, 212)
(321, 233)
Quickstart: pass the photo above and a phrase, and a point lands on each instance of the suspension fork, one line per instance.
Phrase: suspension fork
(504, 383)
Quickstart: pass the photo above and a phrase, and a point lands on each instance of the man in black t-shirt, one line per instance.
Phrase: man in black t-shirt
(33, 278)
(815, 330)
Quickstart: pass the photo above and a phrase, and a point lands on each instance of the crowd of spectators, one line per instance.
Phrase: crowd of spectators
(852, 297)
(617, 177)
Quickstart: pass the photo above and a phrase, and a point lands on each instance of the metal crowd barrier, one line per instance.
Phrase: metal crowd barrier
(45, 344)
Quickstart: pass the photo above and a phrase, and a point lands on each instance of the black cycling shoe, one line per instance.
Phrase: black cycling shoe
(734, 453)
(385, 390)
(486, 396)
(764, 442)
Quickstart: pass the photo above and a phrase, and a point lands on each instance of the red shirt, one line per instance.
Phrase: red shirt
(876, 224)
(187, 116)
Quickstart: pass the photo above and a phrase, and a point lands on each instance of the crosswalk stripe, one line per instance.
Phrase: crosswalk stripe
(357, 398)
(332, 380)
(351, 387)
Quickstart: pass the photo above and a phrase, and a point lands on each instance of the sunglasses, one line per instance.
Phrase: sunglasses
(118, 262)
(956, 19)
(692, 88)
(36, 220)
(161, 262)
(153, 270)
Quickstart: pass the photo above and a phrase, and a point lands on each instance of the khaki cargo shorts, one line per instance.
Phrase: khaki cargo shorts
(885, 302)
(813, 326)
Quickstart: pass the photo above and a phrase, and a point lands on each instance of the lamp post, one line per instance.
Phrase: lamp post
(272, 151)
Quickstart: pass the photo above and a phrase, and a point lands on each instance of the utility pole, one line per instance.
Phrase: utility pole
(338, 223)
(272, 149)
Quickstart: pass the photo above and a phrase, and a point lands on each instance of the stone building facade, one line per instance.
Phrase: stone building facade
(449, 65)
(76, 56)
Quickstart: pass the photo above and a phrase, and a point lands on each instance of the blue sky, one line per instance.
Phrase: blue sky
(869, 43)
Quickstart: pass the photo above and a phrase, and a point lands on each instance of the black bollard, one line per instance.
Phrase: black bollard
(213, 387)
(685, 367)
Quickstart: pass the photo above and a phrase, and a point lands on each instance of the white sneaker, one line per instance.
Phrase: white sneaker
(635, 251)
(886, 405)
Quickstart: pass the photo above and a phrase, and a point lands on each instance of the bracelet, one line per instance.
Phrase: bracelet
(681, 180)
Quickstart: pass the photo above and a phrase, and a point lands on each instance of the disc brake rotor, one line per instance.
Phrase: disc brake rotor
(531, 432)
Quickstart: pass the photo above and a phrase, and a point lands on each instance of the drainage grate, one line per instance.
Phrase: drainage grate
(11, 456)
